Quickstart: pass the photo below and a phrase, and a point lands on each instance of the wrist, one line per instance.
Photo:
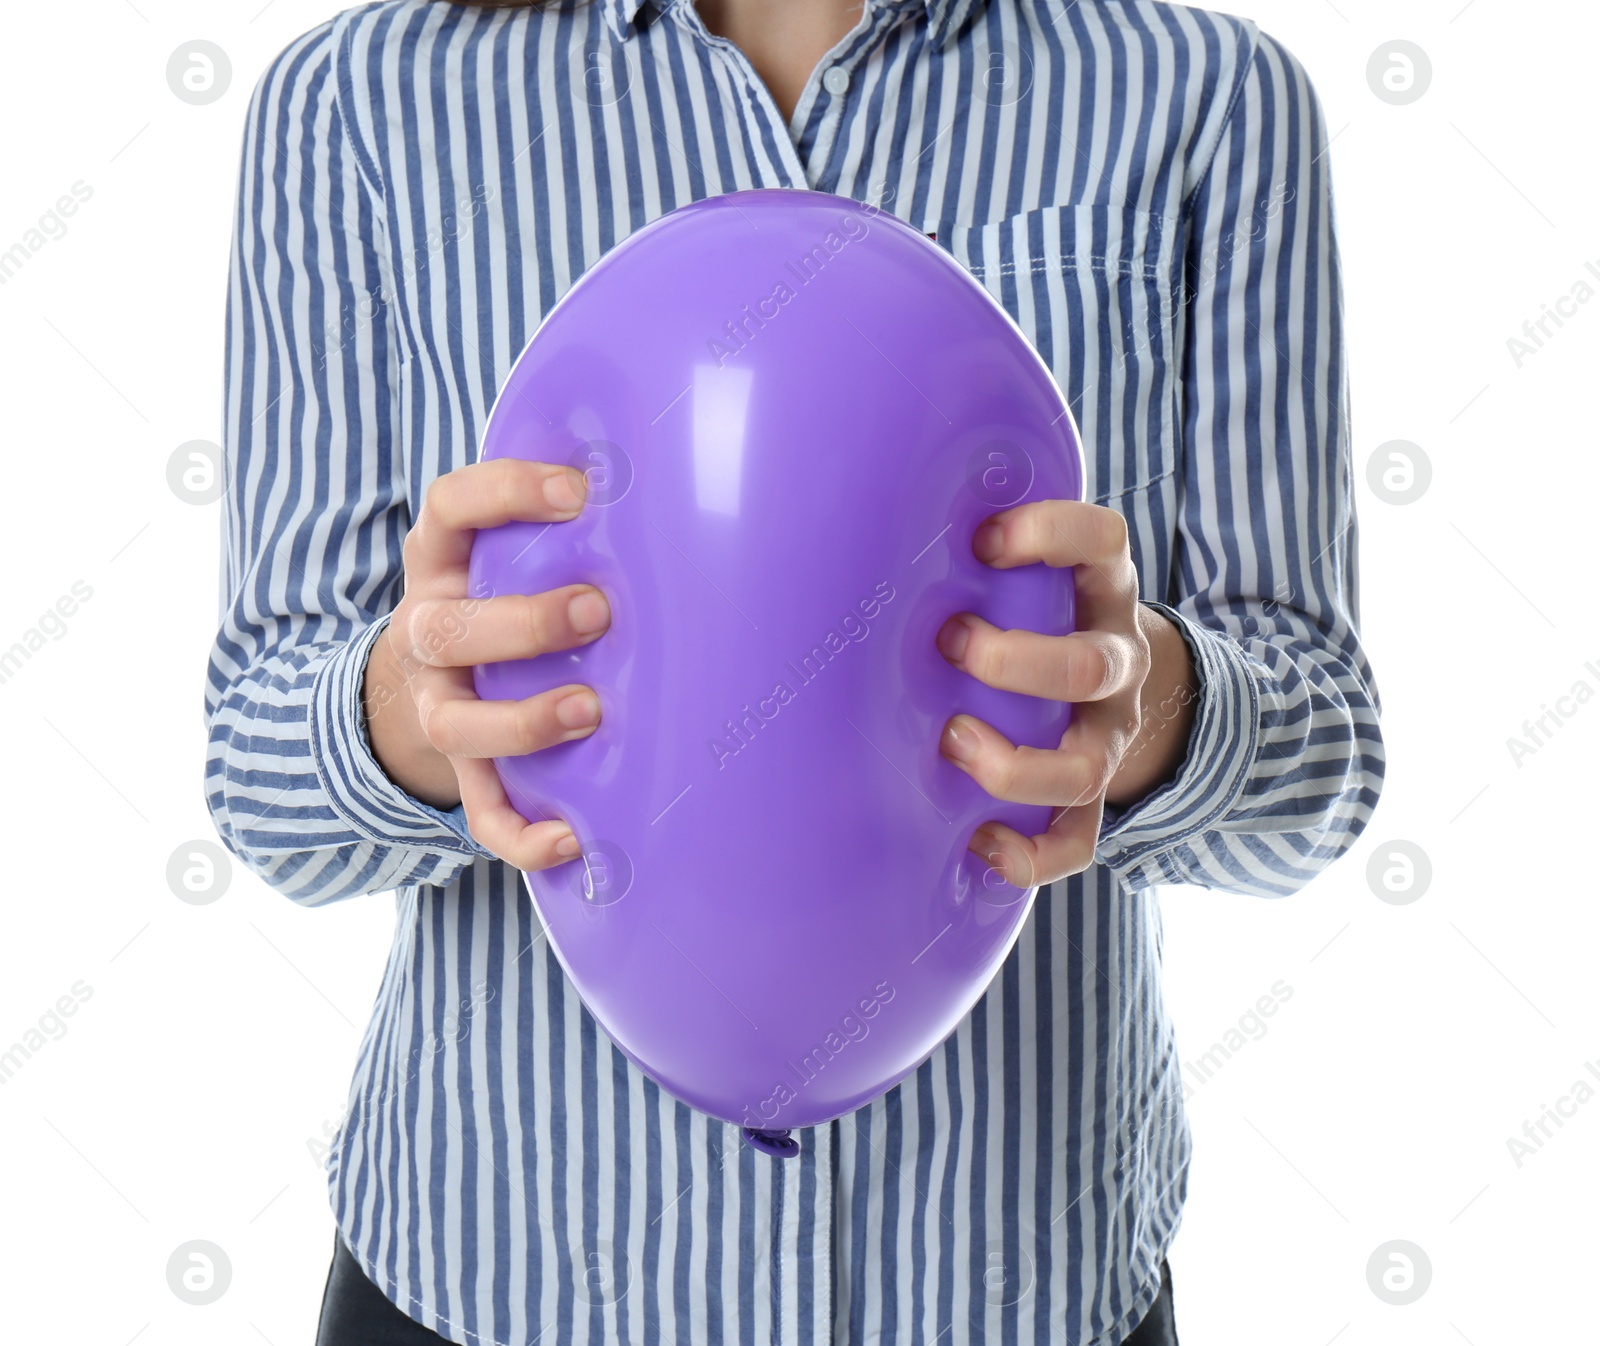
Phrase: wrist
(394, 730)
(1166, 713)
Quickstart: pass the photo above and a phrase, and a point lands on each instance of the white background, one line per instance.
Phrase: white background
(187, 1095)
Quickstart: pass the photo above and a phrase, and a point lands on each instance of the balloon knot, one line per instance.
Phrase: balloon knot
(779, 1144)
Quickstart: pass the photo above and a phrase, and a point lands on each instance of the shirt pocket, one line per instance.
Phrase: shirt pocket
(1092, 288)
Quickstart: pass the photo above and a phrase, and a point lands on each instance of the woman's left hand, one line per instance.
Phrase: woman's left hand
(1126, 669)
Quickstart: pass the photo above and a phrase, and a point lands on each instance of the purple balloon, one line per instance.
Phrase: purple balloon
(793, 411)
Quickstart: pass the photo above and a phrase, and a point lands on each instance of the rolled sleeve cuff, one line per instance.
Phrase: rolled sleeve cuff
(1137, 841)
(357, 786)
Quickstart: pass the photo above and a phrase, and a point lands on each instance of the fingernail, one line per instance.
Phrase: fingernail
(564, 490)
(567, 846)
(960, 742)
(588, 612)
(953, 637)
(578, 710)
(986, 542)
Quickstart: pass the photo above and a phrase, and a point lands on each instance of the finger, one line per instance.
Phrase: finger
(458, 724)
(494, 824)
(1081, 666)
(1105, 731)
(1068, 533)
(461, 632)
(486, 495)
(1022, 774)
(1057, 532)
(1065, 848)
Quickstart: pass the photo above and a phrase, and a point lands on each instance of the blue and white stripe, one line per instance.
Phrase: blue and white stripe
(1145, 188)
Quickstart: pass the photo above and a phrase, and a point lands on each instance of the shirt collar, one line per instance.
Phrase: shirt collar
(945, 17)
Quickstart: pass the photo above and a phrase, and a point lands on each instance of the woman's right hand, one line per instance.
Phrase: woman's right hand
(429, 730)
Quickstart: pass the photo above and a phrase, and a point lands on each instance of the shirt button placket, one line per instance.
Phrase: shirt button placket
(835, 81)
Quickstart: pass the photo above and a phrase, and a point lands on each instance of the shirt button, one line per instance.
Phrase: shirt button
(836, 79)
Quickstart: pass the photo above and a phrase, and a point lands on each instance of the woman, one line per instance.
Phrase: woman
(1145, 188)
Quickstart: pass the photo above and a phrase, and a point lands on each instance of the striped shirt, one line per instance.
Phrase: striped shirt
(1145, 189)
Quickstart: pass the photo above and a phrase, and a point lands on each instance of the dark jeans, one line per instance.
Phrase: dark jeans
(356, 1313)
(1156, 1328)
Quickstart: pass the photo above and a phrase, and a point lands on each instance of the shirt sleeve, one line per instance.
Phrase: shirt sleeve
(314, 514)
(1285, 761)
